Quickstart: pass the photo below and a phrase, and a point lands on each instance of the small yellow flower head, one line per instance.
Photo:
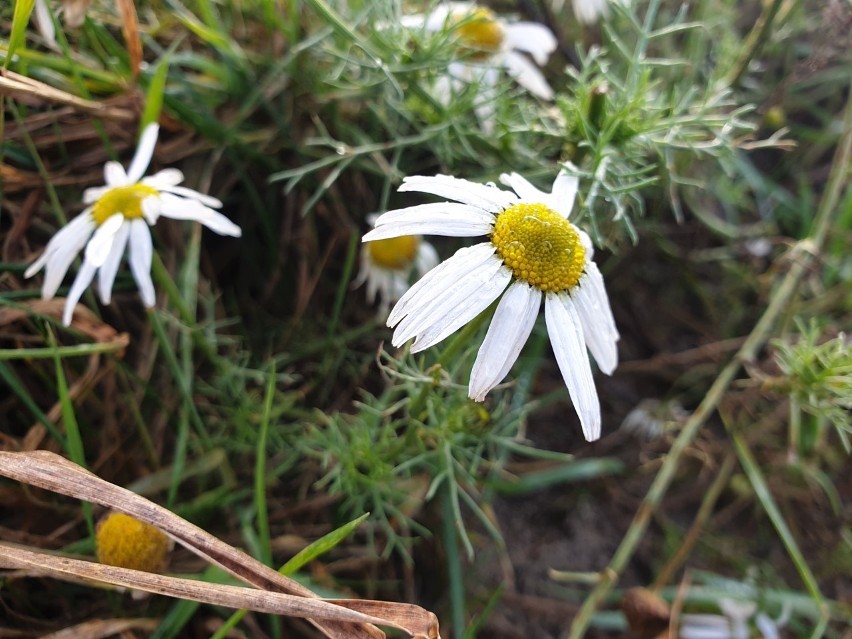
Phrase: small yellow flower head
(396, 253)
(126, 200)
(126, 542)
(540, 247)
(479, 30)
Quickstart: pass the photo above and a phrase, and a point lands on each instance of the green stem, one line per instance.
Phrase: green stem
(755, 39)
(451, 547)
(801, 258)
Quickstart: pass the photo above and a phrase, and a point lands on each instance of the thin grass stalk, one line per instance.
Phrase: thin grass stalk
(73, 438)
(802, 256)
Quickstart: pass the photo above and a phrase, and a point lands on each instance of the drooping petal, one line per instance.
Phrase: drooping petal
(441, 218)
(152, 207)
(456, 316)
(533, 38)
(524, 188)
(192, 194)
(76, 233)
(443, 298)
(114, 175)
(83, 279)
(486, 99)
(484, 196)
(44, 22)
(564, 193)
(107, 271)
(527, 75)
(141, 254)
(511, 326)
(142, 157)
(592, 304)
(464, 260)
(68, 246)
(164, 178)
(100, 245)
(569, 347)
(182, 209)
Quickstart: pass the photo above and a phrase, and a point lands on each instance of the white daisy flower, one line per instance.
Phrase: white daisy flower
(118, 214)
(532, 251)
(386, 266)
(492, 43)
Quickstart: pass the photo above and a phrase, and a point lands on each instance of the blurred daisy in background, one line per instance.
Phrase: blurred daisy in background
(532, 252)
(117, 215)
(387, 265)
(491, 44)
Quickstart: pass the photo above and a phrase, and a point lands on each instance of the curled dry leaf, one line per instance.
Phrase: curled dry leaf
(335, 618)
(98, 628)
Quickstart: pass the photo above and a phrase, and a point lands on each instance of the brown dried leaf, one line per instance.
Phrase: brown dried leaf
(52, 472)
(647, 613)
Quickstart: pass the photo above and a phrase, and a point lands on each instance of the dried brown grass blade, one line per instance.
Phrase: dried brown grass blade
(19, 86)
(53, 472)
(99, 628)
(130, 31)
(277, 603)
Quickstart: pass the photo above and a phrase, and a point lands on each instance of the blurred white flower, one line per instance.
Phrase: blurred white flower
(75, 13)
(588, 11)
(733, 623)
(532, 251)
(386, 267)
(491, 43)
(119, 214)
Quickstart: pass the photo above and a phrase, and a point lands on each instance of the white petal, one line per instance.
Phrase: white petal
(114, 175)
(142, 157)
(442, 218)
(100, 245)
(464, 260)
(141, 254)
(182, 209)
(95, 193)
(444, 296)
(486, 197)
(564, 193)
(83, 279)
(524, 188)
(453, 318)
(569, 347)
(152, 207)
(511, 326)
(106, 274)
(61, 251)
(527, 75)
(592, 304)
(427, 258)
(192, 194)
(166, 177)
(533, 38)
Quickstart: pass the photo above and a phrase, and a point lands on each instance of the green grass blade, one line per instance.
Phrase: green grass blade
(20, 20)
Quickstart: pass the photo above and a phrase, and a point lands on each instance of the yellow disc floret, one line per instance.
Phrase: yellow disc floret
(126, 200)
(126, 542)
(479, 30)
(395, 253)
(539, 246)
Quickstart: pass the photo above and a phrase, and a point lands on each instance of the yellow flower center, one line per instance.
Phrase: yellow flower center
(395, 253)
(126, 200)
(126, 542)
(479, 30)
(539, 246)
